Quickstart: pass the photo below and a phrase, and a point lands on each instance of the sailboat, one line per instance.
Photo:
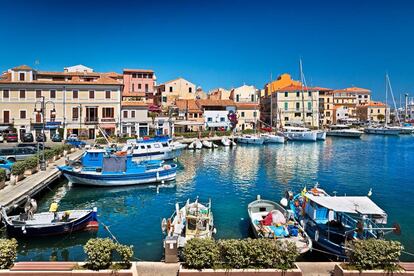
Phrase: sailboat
(384, 130)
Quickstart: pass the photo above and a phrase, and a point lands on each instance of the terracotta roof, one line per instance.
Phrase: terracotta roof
(100, 79)
(133, 103)
(191, 105)
(52, 73)
(295, 88)
(133, 94)
(374, 104)
(210, 102)
(22, 68)
(322, 88)
(247, 106)
(138, 71)
(356, 90)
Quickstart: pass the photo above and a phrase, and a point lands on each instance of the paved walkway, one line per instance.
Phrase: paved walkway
(316, 268)
(31, 185)
(157, 268)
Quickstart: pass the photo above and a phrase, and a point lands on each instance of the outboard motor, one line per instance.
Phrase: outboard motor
(289, 195)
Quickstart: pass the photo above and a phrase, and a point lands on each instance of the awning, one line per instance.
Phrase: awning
(348, 204)
(188, 123)
(217, 124)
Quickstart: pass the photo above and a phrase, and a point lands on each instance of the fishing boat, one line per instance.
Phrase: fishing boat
(271, 138)
(343, 131)
(299, 133)
(193, 220)
(197, 144)
(49, 223)
(157, 148)
(100, 168)
(270, 220)
(332, 221)
(250, 139)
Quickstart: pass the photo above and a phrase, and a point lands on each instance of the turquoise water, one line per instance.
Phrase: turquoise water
(232, 178)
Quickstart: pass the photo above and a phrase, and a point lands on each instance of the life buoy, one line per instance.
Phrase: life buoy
(121, 153)
(77, 166)
(315, 191)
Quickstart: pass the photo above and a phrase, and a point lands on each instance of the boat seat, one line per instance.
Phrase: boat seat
(43, 266)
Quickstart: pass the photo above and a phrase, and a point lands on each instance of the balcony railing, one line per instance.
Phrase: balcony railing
(108, 120)
(91, 120)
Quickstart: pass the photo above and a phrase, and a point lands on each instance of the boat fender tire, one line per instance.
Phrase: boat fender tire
(77, 166)
(316, 235)
(167, 167)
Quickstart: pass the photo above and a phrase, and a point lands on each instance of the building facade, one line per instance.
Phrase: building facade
(77, 100)
(170, 91)
(215, 113)
(326, 106)
(349, 99)
(373, 112)
(246, 98)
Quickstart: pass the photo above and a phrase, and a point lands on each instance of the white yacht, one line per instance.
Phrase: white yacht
(250, 139)
(343, 131)
(320, 134)
(272, 138)
(299, 133)
(157, 148)
(382, 130)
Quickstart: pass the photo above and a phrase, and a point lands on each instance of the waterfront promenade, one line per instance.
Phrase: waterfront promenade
(15, 194)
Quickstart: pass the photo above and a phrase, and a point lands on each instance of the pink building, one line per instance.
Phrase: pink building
(139, 85)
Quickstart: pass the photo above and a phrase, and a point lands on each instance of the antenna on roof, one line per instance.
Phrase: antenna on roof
(37, 62)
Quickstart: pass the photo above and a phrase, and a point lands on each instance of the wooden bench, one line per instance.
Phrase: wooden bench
(43, 266)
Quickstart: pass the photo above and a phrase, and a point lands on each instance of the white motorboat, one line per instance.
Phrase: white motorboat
(225, 142)
(157, 148)
(270, 220)
(382, 130)
(299, 133)
(196, 144)
(207, 144)
(320, 135)
(250, 139)
(271, 138)
(194, 220)
(403, 129)
(343, 131)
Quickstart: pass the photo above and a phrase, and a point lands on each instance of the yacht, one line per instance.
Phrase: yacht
(250, 139)
(343, 131)
(382, 130)
(299, 133)
(320, 134)
(272, 138)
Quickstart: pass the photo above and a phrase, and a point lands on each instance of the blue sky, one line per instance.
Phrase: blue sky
(218, 43)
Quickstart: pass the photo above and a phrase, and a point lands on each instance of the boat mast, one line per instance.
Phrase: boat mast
(386, 99)
(303, 96)
(393, 100)
(271, 101)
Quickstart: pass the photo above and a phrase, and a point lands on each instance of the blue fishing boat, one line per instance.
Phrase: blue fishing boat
(332, 221)
(49, 223)
(98, 167)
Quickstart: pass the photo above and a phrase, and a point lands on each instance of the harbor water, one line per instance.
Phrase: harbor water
(233, 177)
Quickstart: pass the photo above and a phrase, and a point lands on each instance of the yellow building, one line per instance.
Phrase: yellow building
(178, 89)
(373, 112)
(283, 80)
(78, 100)
(326, 106)
(349, 99)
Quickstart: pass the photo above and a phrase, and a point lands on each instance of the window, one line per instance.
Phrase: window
(53, 94)
(195, 115)
(286, 118)
(366, 96)
(107, 112)
(297, 115)
(148, 146)
(146, 88)
(140, 76)
(310, 94)
(308, 114)
(132, 113)
(309, 105)
(38, 94)
(327, 106)
(75, 94)
(190, 89)
(164, 99)
(286, 94)
(91, 94)
(297, 106)
(372, 111)
(6, 94)
(328, 113)
(237, 97)
(379, 111)
(297, 94)
(6, 116)
(254, 114)
(21, 76)
(252, 98)
(327, 100)
(242, 114)
(133, 88)
(22, 114)
(134, 76)
(209, 119)
(139, 86)
(157, 146)
(142, 147)
(22, 94)
(171, 89)
(222, 119)
(286, 106)
(52, 115)
(75, 113)
(125, 113)
(359, 96)
(107, 94)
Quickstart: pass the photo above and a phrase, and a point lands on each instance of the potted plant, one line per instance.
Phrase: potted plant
(371, 257)
(3, 177)
(31, 165)
(17, 172)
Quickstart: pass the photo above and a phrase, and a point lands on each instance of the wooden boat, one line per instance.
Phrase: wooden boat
(49, 223)
(194, 220)
(270, 220)
(100, 168)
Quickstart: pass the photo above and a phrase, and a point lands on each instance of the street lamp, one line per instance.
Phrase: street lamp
(42, 110)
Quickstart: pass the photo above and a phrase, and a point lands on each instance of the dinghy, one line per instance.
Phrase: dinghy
(207, 144)
(225, 141)
(196, 144)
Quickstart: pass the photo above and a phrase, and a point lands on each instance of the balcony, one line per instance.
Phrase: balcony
(108, 120)
(91, 120)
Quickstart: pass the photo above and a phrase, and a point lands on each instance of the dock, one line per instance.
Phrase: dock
(16, 194)
(216, 139)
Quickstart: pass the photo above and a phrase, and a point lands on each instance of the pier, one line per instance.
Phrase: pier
(215, 139)
(16, 194)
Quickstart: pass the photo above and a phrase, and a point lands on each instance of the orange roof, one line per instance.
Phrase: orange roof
(138, 71)
(356, 90)
(322, 88)
(374, 104)
(211, 102)
(133, 103)
(247, 106)
(293, 87)
(22, 68)
(191, 105)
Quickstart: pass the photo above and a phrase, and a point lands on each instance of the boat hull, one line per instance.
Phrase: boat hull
(344, 134)
(50, 230)
(301, 136)
(252, 141)
(321, 135)
(382, 131)
(273, 139)
(167, 155)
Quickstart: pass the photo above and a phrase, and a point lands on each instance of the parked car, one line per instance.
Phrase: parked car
(74, 141)
(56, 137)
(16, 153)
(11, 138)
(1, 138)
(73, 137)
(27, 137)
(41, 138)
(6, 164)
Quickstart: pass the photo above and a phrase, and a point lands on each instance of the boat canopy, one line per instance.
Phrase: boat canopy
(349, 204)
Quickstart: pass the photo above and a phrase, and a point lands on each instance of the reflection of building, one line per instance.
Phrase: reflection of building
(373, 112)
(83, 100)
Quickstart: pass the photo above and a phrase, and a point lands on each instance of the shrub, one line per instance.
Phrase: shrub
(125, 252)
(248, 131)
(3, 174)
(100, 141)
(31, 162)
(18, 168)
(374, 254)
(49, 153)
(201, 253)
(8, 252)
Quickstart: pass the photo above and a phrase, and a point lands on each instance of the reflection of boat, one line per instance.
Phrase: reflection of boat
(250, 139)
(100, 168)
(194, 220)
(271, 138)
(332, 221)
(343, 131)
(196, 144)
(48, 223)
(157, 148)
(299, 133)
(270, 220)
